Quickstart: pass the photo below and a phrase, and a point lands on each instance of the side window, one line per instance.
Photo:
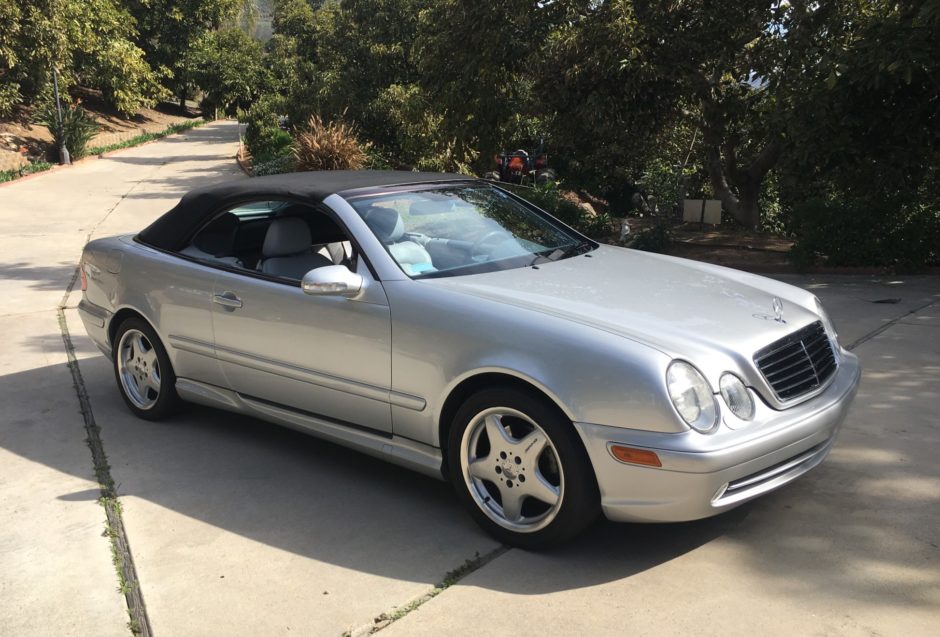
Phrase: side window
(278, 238)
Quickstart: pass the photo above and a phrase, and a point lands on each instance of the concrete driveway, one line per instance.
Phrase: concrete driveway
(237, 527)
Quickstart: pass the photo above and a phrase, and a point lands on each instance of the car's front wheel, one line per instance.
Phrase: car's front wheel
(520, 469)
(143, 371)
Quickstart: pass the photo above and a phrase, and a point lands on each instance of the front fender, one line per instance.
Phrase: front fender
(440, 338)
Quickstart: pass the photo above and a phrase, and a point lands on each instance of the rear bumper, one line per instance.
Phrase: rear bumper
(96, 320)
(703, 476)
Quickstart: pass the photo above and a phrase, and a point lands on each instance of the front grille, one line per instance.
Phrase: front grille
(798, 363)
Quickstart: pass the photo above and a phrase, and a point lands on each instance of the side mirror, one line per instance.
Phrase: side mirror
(332, 280)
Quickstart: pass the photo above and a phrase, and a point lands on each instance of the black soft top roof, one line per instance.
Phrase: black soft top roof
(173, 230)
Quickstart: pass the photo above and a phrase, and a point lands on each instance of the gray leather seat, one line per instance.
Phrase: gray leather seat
(388, 226)
(287, 250)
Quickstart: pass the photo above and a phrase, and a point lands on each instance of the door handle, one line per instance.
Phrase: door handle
(227, 300)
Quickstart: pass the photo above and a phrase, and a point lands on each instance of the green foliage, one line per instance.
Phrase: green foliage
(90, 42)
(770, 106)
(274, 166)
(473, 63)
(228, 66)
(125, 78)
(28, 169)
(76, 129)
(868, 232)
(9, 98)
(412, 129)
(170, 29)
(549, 198)
(270, 146)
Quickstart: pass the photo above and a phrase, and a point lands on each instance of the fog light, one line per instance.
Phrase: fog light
(736, 396)
(635, 456)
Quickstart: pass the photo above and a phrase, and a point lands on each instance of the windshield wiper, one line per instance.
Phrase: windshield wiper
(570, 251)
(554, 254)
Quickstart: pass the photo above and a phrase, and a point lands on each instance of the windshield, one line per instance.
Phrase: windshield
(464, 229)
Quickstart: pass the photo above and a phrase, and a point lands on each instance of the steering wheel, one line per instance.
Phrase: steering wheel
(487, 240)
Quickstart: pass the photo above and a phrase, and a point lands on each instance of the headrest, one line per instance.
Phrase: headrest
(386, 223)
(218, 237)
(286, 236)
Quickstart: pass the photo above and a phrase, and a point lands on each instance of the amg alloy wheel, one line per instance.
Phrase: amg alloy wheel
(512, 469)
(143, 371)
(520, 469)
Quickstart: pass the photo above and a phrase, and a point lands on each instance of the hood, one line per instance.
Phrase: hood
(686, 309)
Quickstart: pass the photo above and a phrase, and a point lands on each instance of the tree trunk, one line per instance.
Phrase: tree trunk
(739, 190)
(737, 186)
(742, 200)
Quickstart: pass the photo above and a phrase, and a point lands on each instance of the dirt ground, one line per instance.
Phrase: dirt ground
(29, 140)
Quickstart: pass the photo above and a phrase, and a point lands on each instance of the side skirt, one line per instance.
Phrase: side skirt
(404, 452)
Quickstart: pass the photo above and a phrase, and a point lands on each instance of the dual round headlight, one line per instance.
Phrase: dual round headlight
(736, 396)
(693, 398)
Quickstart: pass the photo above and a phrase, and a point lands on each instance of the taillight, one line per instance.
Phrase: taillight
(81, 274)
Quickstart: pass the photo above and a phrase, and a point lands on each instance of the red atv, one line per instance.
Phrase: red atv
(520, 167)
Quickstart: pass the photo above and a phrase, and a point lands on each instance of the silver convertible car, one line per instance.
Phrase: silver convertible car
(446, 325)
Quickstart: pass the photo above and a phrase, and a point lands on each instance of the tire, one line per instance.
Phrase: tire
(143, 371)
(545, 176)
(550, 482)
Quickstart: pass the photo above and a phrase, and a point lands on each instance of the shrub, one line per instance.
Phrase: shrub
(881, 233)
(549, 198)
(264, 137)
(332, 146)
(76, 130)
(274, 166)
(655, 239)
(270, 144)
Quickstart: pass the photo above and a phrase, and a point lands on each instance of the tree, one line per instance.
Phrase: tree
(169, 28)
(88, 41)
(228, 66)
(870, 117)
(474, 61)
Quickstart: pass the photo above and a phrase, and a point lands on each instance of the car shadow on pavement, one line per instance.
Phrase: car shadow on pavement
(312, 498)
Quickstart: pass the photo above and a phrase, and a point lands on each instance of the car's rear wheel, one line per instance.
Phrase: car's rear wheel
(143, 371)
(520, 469)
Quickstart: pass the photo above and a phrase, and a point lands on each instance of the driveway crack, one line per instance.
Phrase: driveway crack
(452, 577)
(129, 583)
(872, 334)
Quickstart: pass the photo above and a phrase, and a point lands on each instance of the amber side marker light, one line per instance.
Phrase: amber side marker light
(635, 456)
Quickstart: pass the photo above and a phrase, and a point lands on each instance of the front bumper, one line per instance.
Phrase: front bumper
(703, 475)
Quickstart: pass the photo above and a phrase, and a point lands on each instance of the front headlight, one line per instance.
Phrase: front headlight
(827, 322)
(692, 396)
(736, 396)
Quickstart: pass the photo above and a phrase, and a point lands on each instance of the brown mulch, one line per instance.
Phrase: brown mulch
(727, 245)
